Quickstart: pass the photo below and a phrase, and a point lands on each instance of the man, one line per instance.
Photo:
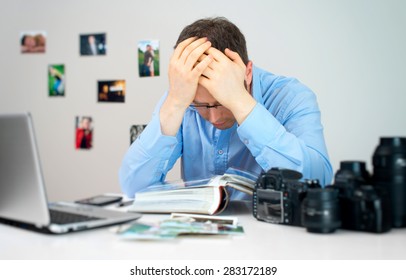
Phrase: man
(92, 45)
(148, 61)
(221, 111)
(84, 134)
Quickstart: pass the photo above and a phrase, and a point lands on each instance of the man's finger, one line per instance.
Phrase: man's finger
(234, 56)
(181, 46)
(208, 72)
(187, 50)
(201, 58)
(192, 55)
(217, 55)
(203, 65)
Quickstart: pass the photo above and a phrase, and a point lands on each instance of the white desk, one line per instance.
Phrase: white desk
(260, 241)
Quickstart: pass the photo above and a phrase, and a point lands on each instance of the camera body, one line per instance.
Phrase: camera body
(278, 196)
(365, 206)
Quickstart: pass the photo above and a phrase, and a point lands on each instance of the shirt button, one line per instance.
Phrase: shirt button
(246, 141)
(220, 152)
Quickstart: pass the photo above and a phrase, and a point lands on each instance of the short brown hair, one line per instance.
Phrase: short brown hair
(220, 32)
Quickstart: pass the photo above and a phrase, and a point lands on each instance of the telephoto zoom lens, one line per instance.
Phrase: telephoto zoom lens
(321, 210)
(389, 161)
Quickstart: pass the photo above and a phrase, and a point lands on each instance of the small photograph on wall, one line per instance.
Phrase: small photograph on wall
(84, 132)
(148, 58)
(56, 80)
(136, 131)
(33, 41)
(111, 91)
(93, 44)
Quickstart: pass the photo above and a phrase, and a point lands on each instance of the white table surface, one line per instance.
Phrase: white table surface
(260, 241)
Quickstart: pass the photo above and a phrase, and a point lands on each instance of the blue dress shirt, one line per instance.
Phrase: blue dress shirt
(283, 130)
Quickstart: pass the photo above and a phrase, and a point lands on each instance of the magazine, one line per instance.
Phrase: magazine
(207, 196)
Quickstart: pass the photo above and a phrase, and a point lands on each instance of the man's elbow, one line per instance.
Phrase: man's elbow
(125, 184)
(327, 175)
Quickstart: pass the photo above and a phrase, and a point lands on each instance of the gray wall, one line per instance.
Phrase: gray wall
(350, 52)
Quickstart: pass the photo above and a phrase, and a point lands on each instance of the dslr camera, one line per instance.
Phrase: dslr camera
(278, 195)
(364, 205)
(281, 198)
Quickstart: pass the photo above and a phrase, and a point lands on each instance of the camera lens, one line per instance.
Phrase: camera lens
(356, 168)
(320, 210)
(350, 176)
(389, 161)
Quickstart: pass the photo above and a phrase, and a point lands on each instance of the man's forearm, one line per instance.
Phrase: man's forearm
(138, 171)
(241, 107)
(148, 159)
(171, 116)
(301, 149)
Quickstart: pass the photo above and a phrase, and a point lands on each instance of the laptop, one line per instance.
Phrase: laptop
(23, 198)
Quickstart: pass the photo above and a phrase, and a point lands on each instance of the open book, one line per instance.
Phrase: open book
(208, 196)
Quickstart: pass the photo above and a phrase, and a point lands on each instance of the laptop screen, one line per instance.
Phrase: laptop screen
(22, 192)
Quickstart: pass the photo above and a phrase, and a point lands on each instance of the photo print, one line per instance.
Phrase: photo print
(148, 58)
(84, 132)
(93, 44)
(135, 131)
(56, 80)
(33, 41)
(111, 91)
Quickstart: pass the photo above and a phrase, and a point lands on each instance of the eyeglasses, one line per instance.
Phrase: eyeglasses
(203, 106)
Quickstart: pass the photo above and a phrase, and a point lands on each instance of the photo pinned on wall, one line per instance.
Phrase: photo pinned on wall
(136, 131)
(148, 58)
(111, 91)
(84, 132)
(93, 44)
(56, 80)
(33, 41)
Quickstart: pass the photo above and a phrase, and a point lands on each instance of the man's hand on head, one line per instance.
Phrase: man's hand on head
(224, 79)
(185, 69)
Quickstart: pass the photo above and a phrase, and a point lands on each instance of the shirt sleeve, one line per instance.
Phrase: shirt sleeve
(149, 158)
(295, 140)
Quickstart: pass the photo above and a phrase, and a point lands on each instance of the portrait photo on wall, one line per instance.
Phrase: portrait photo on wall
(135, 131)
(33, 41)
(148, 58)
(111, 91)
(84, 132)
(56, 80)
(93, 44)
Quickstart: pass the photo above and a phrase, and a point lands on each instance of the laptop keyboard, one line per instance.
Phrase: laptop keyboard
(61, 218)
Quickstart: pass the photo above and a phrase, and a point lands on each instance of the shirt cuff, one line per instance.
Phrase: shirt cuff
(154, 142)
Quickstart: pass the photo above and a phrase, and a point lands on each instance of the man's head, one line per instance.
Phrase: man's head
(28, 41)
(220, 32)
(91, 39)
(86, 123)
